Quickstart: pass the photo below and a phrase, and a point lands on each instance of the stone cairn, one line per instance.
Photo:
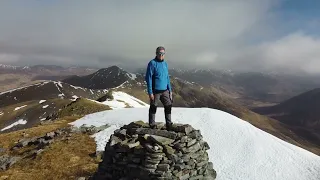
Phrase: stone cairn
(136, 152)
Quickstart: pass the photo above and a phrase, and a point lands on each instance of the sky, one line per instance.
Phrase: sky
(249, 35)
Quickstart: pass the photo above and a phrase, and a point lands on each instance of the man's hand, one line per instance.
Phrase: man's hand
(151, 97)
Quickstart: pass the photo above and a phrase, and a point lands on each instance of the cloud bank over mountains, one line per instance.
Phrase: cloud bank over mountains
(244, 34)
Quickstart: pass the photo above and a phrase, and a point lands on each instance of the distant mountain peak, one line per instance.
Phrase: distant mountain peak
(5, 66)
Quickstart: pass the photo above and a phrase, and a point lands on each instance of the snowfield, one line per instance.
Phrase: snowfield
(238, 150)
(21, 121)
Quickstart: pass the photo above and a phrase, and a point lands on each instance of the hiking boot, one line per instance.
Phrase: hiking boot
(152, 126)
(169, 126)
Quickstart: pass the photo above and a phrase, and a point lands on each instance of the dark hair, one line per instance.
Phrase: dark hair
(160, 48)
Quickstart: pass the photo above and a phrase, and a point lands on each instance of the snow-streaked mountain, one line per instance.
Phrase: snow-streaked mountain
(110, 77)
(47, 90)
(238, 150)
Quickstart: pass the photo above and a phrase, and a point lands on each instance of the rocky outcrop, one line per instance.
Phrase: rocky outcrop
(7, 161)
(137, 152)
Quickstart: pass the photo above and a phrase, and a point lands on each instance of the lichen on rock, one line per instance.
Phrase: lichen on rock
(137, 152)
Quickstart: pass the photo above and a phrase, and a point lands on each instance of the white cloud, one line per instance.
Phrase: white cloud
(295, 52)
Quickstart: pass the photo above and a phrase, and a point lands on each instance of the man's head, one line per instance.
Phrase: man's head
(160, 52)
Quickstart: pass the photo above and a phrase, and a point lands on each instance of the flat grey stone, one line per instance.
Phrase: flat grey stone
(150, 166)
(195, 134)
(177, 173)
(163, 133)
(179, 167)
(184, 177)
(201, 164)
(180, 146)
(168, 150)
(193, 172)
(192, 142)
(199, 177)
(161, 140)
(191, 149)
(184, 139)
(186, 128)
(151, 161)
(132, 145)
(163, 167)
(114, 140)
(167, 161)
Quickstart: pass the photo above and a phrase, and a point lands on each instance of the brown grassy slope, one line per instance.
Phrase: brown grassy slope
(62, 160)
(82, 107)
(12, 81)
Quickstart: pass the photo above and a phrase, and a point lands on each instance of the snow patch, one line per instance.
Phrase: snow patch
(91, 91)
(121, 85)
(1, 113)
(15, 98)
(61, 95)
(45, 106)
(76, 87)
(74, 98)
(21, 121)
(55, 83)
(132, 76)
(121, 100)
(238, 150)
(42, 101)
(17, 108)
(42, 119)
(59, 83)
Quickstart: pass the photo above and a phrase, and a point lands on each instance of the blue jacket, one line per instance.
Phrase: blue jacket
(157, 76)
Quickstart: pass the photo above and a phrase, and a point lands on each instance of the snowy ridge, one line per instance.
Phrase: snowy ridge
(21, 121)
(238, 150)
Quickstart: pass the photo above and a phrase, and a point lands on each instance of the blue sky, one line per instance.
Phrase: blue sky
(301, 15)
(261, 35)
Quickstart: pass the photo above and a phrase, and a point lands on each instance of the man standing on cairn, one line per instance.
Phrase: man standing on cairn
(159, 87)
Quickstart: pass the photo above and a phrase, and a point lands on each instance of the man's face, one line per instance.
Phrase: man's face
(160, 54)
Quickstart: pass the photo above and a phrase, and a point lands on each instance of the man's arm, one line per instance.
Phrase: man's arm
(148, 77)
(168, 81)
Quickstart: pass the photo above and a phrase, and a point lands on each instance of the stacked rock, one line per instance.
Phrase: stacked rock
(137, 152)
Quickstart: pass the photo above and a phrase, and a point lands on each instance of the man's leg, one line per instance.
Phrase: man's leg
(167, 103)
(153, 110)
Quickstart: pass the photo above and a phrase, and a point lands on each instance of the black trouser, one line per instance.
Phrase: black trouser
(164, 98)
